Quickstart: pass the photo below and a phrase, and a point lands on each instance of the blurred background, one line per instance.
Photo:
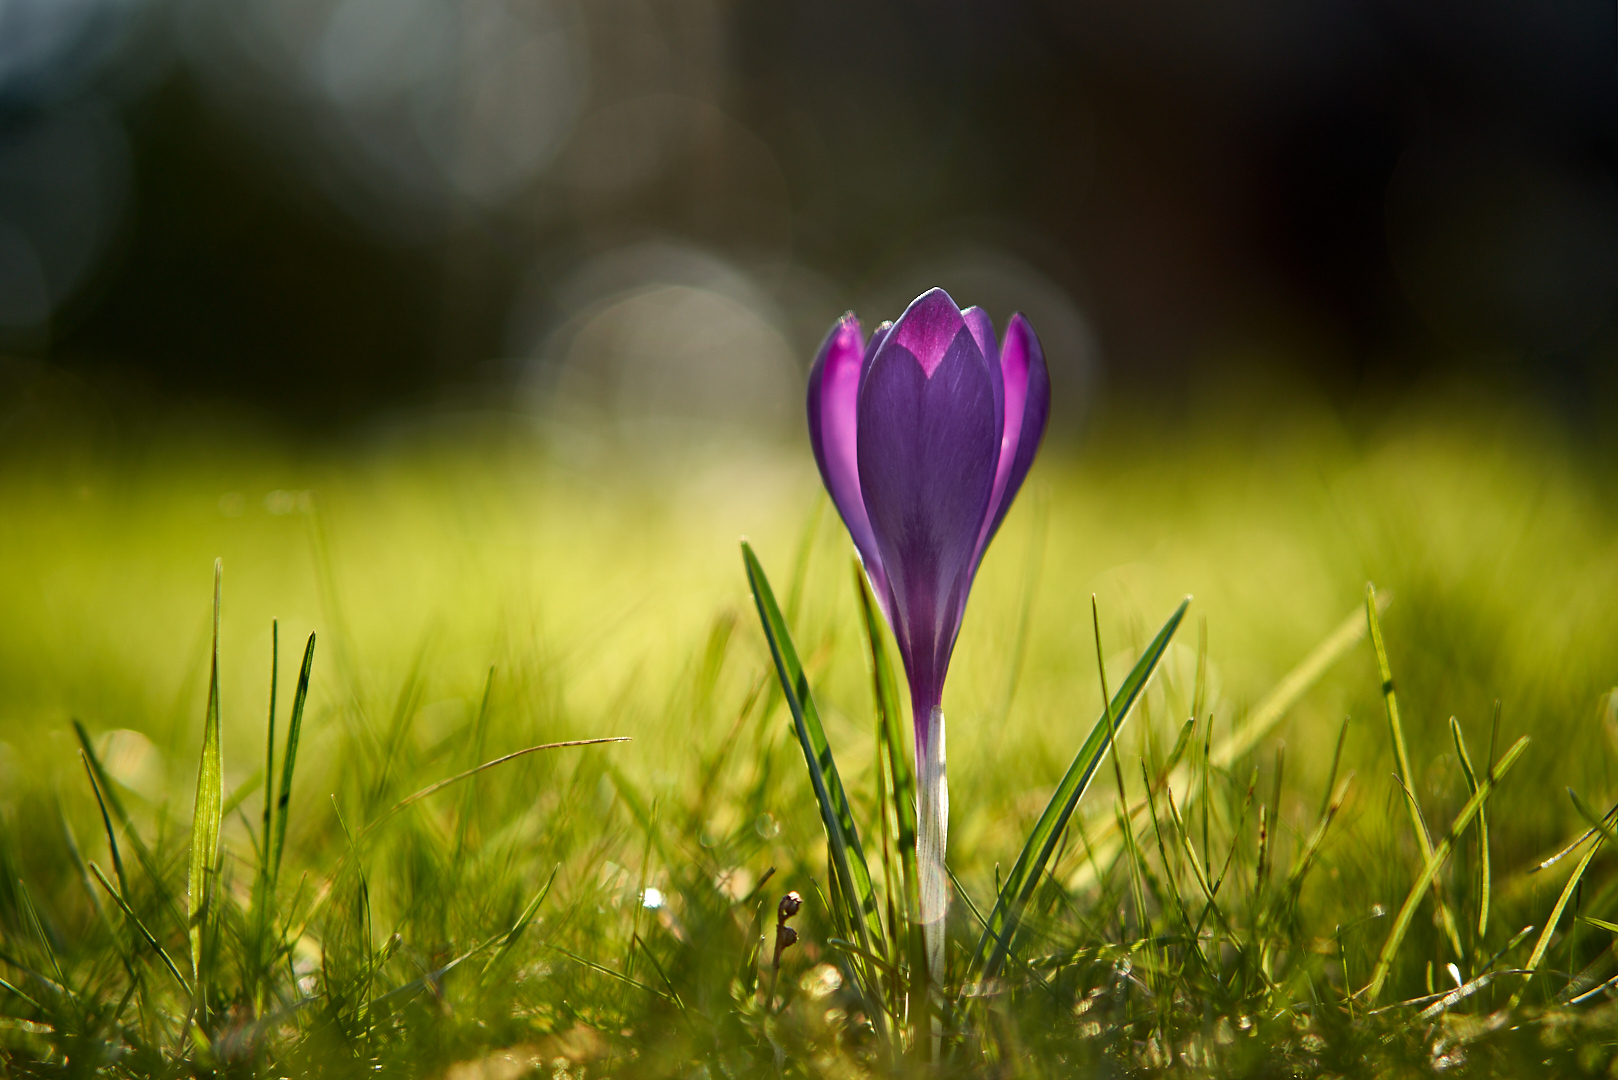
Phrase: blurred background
(646, 212)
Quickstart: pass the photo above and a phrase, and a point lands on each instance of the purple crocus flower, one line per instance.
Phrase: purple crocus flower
(923, 435)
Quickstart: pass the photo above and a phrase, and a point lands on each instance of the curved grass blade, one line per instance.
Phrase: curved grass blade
(841, 833)
(434, 788)
(1030, 866)
(208, 811)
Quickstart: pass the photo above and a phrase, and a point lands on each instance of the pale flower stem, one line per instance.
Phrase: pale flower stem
(932, 835)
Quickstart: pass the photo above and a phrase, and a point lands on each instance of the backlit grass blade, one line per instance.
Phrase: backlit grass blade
(207, 812)
(841, 833)
(1030, 866)
(1484, 875)
(288, 762)
(1401, 757)
(269, 754)
(1429, 872)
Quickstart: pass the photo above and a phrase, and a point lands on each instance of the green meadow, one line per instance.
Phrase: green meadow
(1254, 884)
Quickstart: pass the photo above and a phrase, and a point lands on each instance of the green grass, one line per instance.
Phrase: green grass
(1249, 887)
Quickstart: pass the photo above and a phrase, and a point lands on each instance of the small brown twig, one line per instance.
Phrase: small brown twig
(785, 938)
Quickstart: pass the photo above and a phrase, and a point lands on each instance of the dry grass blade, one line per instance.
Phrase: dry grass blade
(431, 789)
(1279, 701)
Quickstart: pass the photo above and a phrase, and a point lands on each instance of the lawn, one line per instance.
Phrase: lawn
(1255, 900)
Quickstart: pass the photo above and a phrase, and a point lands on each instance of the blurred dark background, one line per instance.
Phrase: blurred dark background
(325, 210)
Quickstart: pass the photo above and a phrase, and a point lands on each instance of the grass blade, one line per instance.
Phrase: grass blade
(140, 927)
(841, 833)
(1396, 732)
(1484, 877)
(1429, 872)
(1542, 946)
(269, 756)
(106, 823)
(1030, 866)
(289, 761)
(891, 754)
(501, 760)
(207, 812)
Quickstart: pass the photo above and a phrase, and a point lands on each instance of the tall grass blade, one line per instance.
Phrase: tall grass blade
(207, 812)
(841, 833)
(1042, 840)
(1483, 876)
(269, 753)
(289, 761)
(1429, 872)
(904, 929)
(1125, 827)
(1401, 756)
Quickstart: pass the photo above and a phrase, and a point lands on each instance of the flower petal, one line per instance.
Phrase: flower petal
(927, 451)
(928, 328)
(878, 336)
(834, 382)
(982, 327)
(1028, 408)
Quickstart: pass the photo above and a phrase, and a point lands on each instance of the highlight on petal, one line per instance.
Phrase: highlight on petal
(834, 382)
(927, 454)
(1028, 410)
(928, 328)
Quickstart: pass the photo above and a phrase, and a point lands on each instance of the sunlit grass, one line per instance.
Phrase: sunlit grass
(476, 591)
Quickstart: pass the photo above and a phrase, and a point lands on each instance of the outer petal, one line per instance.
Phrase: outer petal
(1028, 408)
(982, 327)
(833, 392)
(878, 336)
(927, 452)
